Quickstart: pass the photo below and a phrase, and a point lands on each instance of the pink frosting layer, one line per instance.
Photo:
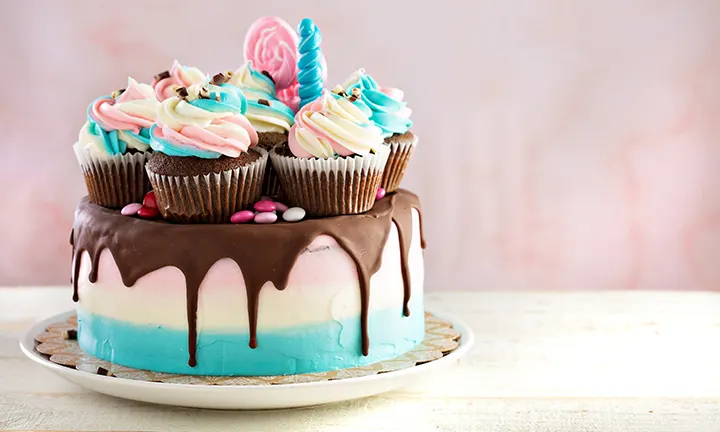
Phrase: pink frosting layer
(217, 141)
(104, 112)
(310, 269)
(165, 87)
(301, 122)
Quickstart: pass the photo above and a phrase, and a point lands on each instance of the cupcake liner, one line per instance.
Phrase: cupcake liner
(209, 198)
(116, 181)
(331, 187)
(400, 153)
(271, 183)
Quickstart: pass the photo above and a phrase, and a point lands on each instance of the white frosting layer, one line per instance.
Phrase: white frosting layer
(323, 286)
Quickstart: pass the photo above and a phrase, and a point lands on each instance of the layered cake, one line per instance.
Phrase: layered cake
(187, 260)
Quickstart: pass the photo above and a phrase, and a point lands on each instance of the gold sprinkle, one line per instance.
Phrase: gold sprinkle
(162, 75)
(116, 94)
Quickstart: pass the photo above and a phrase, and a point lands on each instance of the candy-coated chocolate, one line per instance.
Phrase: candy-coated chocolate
(148, 212)
(149, 200)
(243, 216)
(380, 194)
(280, 207)
(265, 206)
(265, 218)
(294, 214)
(131, 209)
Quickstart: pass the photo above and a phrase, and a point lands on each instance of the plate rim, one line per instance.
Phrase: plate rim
(27, 346)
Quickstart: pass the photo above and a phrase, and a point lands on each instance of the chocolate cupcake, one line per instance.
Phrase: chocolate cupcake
(114, 145)
(271, 118)
(391, 115)
(334, 159)
(207, 165)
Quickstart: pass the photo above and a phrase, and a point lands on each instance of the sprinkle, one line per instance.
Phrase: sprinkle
(181, 92)
(355, 95)
(204, 93)
(162, 75)
(219, 79)
(102, 371)
(69, 334)
(117, 93)
(267, 74)
(338, 90)
(264, 102)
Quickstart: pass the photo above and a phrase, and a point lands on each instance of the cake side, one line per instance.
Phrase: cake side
(315, 323)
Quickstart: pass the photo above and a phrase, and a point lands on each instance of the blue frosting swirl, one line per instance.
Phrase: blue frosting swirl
(309, 63)
(223, 98)
(385, 109)
(164, 145)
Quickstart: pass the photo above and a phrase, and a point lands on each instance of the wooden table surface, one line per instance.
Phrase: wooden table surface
(608, 361)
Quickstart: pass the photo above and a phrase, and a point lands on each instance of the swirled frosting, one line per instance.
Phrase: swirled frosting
(166, 82)
(116, 124)
(204, 121)
(333, 125)
(389, 111)
(310, 70)
(265, 112)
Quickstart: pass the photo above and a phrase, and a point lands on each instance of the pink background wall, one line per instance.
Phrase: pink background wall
(564, 145)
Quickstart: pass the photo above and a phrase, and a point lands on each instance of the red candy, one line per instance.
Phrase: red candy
(149, 200)
(148, 212)
(265, 206)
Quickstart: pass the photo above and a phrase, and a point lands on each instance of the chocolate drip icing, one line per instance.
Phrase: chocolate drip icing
(264, 253)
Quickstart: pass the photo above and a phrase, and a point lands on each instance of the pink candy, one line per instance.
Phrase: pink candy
(265, 206)
(281, 207)
(131, 209)
(265, 218)
(380, 194)
(243, 216)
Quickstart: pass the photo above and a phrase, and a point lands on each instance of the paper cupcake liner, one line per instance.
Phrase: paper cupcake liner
(331, 187)
(209, 198)
(116, 181)
(400, 154)
(271, 183)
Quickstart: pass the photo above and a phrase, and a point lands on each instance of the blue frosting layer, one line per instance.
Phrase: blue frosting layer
(314, 348)
(384, 108)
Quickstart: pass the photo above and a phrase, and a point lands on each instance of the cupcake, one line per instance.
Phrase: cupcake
(114, 145)
(334, 159)
(391, 115)
(206, 166)
(271, 118)
(165, 83)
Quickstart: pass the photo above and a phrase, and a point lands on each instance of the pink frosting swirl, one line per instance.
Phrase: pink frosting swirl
(106, 112)
(184, 129)
(179, 77)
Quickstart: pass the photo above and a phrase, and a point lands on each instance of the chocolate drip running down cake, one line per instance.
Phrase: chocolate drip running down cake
(268, 244)
(270, 299)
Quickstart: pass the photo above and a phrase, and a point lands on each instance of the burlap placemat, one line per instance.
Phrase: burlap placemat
(59, 344)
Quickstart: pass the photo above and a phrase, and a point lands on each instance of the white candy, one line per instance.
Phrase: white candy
(294, 214)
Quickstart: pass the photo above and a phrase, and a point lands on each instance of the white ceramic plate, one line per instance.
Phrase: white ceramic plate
(245, 397)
